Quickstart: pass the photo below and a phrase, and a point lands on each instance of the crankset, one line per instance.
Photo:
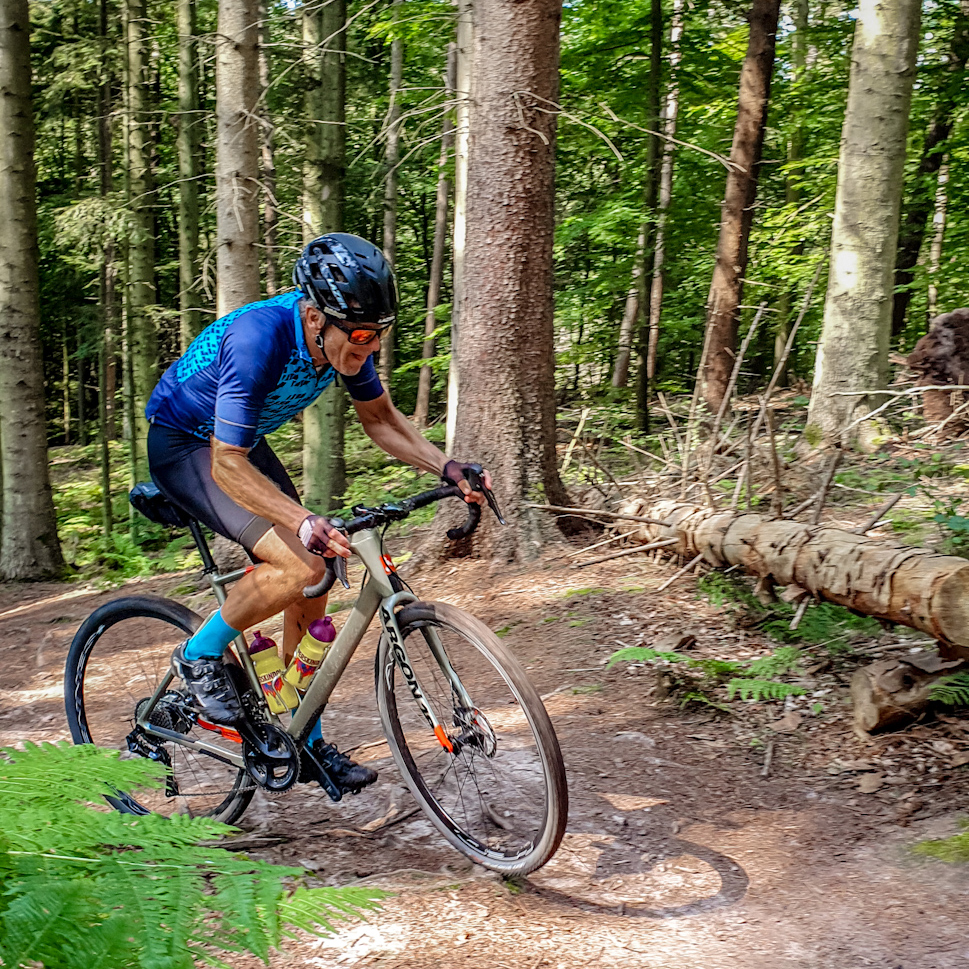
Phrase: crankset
(270, 755)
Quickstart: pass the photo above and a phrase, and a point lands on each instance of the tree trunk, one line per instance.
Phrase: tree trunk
(938, 236)
(267, 154)
(941, 358)
(630, 313)
(737, 213)
(506, 394)
(852, 355)
(914, 587)
(462, 135)
(670, 113)
(29, 548)
(81, 390)
(388, 340)
(653, 174)
(65, 388)
(107, 380)
(142, 330)
(440, 240)
(236, 167)
(920, 196)
(190, 125)
(324, 47)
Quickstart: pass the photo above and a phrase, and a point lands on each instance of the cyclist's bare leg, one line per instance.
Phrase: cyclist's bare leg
(277, 585)
(297, 618)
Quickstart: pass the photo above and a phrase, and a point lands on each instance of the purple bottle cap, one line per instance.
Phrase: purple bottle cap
(323, 630)
(260, 642)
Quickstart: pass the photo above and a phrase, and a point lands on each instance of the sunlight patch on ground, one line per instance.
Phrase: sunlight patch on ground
(629, 802)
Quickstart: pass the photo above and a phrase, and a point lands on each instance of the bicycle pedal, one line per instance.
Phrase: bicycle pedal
(312, 771)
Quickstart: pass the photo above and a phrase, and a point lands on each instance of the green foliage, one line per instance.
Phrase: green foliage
(84, 887)
(954, 850)
(952, 690)
(754, 689)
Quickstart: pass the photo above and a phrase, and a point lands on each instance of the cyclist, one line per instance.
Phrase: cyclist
(245, 375)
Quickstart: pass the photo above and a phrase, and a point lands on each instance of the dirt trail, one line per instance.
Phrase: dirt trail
(680, 852)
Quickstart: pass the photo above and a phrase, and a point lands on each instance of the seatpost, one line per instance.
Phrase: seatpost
(208, 563)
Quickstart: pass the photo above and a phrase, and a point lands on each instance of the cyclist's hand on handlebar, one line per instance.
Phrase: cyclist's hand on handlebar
(321, 537)
(455, 472)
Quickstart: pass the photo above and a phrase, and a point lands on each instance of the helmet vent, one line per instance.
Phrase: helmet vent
(338, 274)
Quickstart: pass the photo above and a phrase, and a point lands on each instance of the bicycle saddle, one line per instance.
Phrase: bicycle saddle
(147, 499)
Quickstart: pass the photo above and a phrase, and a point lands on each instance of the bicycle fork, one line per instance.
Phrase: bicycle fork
(388, 619)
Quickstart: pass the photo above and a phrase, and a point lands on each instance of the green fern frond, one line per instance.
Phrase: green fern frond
(643, 654)
(952, 690)
(786, 659)
(751, 689)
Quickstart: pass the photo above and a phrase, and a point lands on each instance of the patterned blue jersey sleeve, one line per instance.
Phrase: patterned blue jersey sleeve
(366, 384)
(250, 367)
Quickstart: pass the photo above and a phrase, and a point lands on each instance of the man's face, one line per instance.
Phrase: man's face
(347, 358)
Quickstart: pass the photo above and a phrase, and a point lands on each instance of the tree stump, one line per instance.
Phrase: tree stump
(895, 692)
(942, 357)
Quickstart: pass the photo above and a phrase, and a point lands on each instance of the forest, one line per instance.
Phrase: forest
(670, 170)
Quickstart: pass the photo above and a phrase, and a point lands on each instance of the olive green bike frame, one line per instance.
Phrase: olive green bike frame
(377, 595)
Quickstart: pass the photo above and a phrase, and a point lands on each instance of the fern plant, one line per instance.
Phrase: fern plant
(952, 690)
(753, 689)
(82, 887)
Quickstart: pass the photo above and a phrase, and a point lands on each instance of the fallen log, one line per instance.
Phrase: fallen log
(914, 587)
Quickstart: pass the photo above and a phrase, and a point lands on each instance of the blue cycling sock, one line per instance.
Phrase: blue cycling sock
(211, 640)
(316, 733)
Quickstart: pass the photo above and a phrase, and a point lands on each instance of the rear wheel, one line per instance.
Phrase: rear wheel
(116, 662)
(499, 794)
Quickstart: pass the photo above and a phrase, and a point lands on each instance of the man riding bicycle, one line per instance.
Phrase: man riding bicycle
(244, 376)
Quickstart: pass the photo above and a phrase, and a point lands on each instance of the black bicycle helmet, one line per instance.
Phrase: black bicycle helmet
(348, 278)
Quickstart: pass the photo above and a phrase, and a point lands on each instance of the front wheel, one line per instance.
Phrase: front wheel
(490, 777)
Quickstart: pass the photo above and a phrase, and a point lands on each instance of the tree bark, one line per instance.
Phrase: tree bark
(109, 270)
(236, 167)
(462, 134)
(267, 156)
(506, 394)
(670, 114)
(29, 548)
(440, 240)
(324, 44)
(190, 124)
(737, 213)
(920, 196)
(852, 355)
(387, 341)
(914, 587)
(141, 327)
(630, 313)
(938, 236)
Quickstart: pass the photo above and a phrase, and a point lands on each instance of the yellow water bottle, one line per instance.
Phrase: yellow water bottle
(310, 653)
(269, 668)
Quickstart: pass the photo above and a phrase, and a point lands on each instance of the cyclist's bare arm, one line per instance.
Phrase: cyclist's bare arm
(245, 484)
(391, 431)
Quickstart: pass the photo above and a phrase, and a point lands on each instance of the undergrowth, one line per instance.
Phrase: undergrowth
(82, 887)
(952, 690)
(953, 850)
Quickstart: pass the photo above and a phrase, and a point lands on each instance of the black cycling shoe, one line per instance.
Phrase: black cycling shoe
(209, 682)
(346, 775)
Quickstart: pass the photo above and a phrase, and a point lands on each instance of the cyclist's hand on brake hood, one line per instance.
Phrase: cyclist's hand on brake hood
(320, 537)
(455, 472)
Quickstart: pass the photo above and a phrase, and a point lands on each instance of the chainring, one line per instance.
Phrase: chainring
(270, 755)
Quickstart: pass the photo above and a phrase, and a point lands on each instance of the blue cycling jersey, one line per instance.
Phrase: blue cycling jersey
(246, 374)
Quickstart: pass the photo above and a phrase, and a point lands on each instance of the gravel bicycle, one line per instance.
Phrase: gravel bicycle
(467, 730)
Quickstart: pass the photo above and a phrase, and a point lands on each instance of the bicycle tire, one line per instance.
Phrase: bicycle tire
(535, 783)
(116, 660)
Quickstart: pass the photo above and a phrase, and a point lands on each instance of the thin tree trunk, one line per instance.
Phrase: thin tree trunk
(324, 43)
(852, 355)
(506, 417)
(189, 131)
(792, 194)
(653, 174)
(142, 331)
(267, 154)
(938, 235)
(670, 114)
(236, 167)
(440, 239)
(462, 133)
(29, 548)
(737, 213)
(109, 270)
(920, 196)
(630, 314)
(65, 388)
(81, 389)
(388, 340)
